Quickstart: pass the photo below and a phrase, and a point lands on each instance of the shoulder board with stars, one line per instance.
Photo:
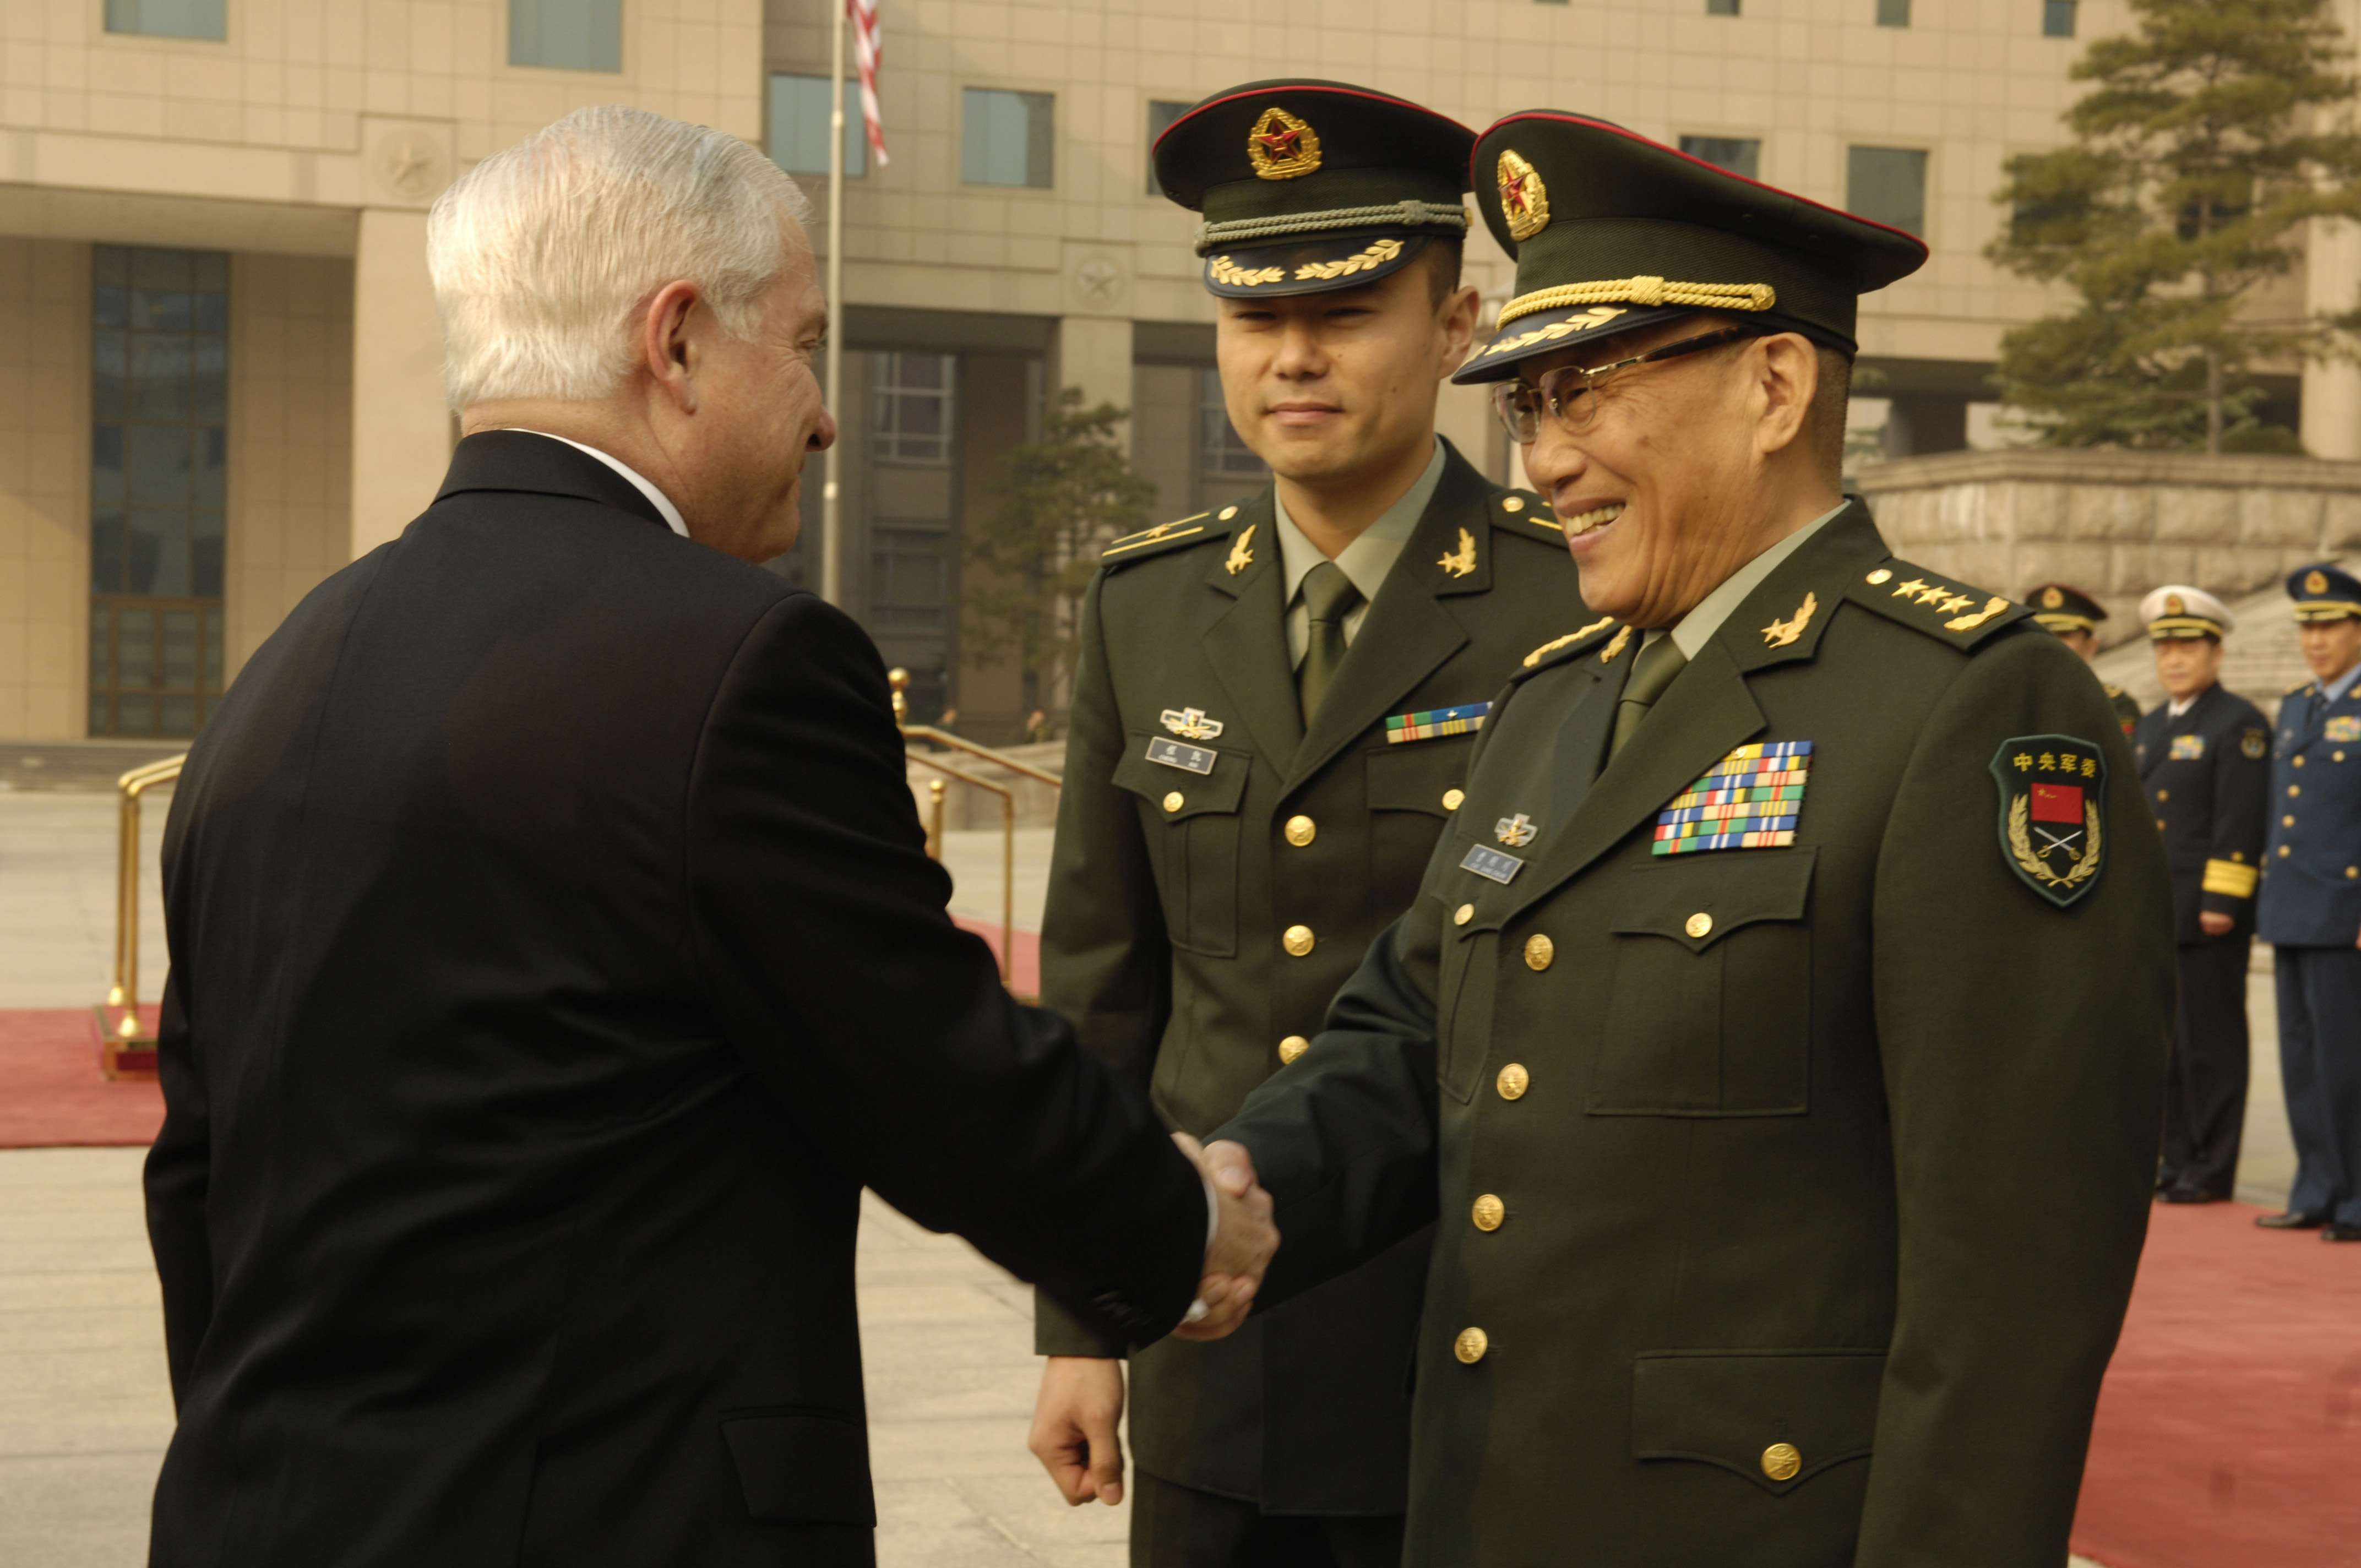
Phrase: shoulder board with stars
(1526, 515)
(1154, 541)
(1573, 645)
(1925, 601)
(2302, 685)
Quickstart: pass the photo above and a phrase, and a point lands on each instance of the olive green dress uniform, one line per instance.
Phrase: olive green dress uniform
(1197, 923)
(1198, 926)
(2061, 607)
(1790, 1192)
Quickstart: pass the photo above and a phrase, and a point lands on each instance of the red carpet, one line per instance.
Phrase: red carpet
(2229, 1430)
(52, 1090)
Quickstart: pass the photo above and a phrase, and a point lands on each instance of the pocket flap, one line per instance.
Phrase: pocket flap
(1219, 790)
(803, 1465)
(1776, 1417)
(1416, 774)
(1728, 888)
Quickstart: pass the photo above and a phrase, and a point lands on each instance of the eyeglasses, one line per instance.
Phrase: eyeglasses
(1569, 394)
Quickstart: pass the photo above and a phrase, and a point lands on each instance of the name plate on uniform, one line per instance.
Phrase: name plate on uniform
(1491, 863)
(1176, 755)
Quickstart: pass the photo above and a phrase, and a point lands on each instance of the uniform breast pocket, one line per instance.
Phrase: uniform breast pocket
(1190, 820)
(1413, 791)
(1710, 1011)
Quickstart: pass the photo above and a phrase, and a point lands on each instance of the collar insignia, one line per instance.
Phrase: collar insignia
(1281, 146)
(1461, 561)
(1190, 723)
(1780, 634)
(1241, 556)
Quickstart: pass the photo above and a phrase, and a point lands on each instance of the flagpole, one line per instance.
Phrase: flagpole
(831, 531)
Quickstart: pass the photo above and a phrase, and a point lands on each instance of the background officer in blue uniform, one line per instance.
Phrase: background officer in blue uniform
(2204, 757)
(2311, 907)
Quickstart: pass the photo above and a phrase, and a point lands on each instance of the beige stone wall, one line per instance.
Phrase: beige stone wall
(44, 487)
(291, 348)
(2116, 524)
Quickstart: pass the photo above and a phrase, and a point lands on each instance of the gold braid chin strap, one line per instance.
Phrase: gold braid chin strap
(1643, 292)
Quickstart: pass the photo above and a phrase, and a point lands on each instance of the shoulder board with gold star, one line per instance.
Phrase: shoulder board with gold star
(1573, 645)
(1525, 515)
(2302, 685)
(1925, 601)
(1164, 536)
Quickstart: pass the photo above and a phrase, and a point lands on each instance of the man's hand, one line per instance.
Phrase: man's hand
(2214, 922)
(1073, 1427)
(1244, 1240)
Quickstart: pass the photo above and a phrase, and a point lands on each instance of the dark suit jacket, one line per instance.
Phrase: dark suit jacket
(1164, 937)
(1790, 1195)
(2311, 872)
(555, 957)
(2207, 772)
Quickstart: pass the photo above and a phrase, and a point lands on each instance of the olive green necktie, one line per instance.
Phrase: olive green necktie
(1658, 662)
(1329, 596)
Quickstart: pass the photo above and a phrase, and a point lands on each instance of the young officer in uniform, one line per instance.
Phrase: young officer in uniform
(1272, 723)
(1780, 1225)
(2205, 758)
(2074, 616)
(2311, 907)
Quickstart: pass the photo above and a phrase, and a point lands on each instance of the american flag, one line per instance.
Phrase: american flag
(864, 38)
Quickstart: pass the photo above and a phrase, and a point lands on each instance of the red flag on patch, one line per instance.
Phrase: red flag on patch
(2057, 803)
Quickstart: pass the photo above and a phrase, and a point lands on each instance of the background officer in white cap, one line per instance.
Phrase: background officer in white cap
(2204, 757)
(2311, 907)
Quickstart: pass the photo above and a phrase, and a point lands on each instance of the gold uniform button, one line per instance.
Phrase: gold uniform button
(2299, 761)
(1514, 1079)
(2352, 872)
(1227, 514)
(1513, 504)
(1699, 927)
(1471, 1344)
(1297, 941)
(1301, 830)
(2287, 821)
(2164, 795)
(1538, 951)
(1452, 797)
(1291, 1047)
(1488, 1211)
(2337, 757)
(1780, 1462)
(1175, 801)
(1880, 577)
(2295, 790)
(2283, 852)
(1464, 913)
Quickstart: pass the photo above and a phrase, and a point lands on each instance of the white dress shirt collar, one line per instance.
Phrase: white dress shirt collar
(664, 507)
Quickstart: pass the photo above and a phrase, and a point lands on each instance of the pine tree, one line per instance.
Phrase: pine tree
(1059, 499)
(2212, 134)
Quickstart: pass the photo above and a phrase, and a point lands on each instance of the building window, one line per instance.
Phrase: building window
(1004, 137)
(169, 18)
(1893, 13)
(1222, 453)
(800, 112)
(1888, 186)
(1722, 8)
(567, 35)
(909, 578)
(2057, 18)
(910, 407)
(159, 416)
(1160, 116)
(1739, 155)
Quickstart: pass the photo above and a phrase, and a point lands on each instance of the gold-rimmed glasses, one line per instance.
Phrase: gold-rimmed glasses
(1569, 394)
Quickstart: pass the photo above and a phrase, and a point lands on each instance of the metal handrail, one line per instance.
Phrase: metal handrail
(900, 681)
(123, 995)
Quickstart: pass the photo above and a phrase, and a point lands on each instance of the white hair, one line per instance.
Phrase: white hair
(543, 255)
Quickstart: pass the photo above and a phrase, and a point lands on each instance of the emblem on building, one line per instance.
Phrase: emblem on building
(1281, 146)
(1524, 200)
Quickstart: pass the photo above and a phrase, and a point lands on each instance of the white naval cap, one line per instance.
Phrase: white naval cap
(2176, 609)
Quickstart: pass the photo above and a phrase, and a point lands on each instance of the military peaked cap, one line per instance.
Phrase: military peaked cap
(1612, 231)
(2324, 592)
(2063, 607)
(1307, 186)
(2177, 610)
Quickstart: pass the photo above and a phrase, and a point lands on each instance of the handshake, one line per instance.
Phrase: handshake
(1081, 1395)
